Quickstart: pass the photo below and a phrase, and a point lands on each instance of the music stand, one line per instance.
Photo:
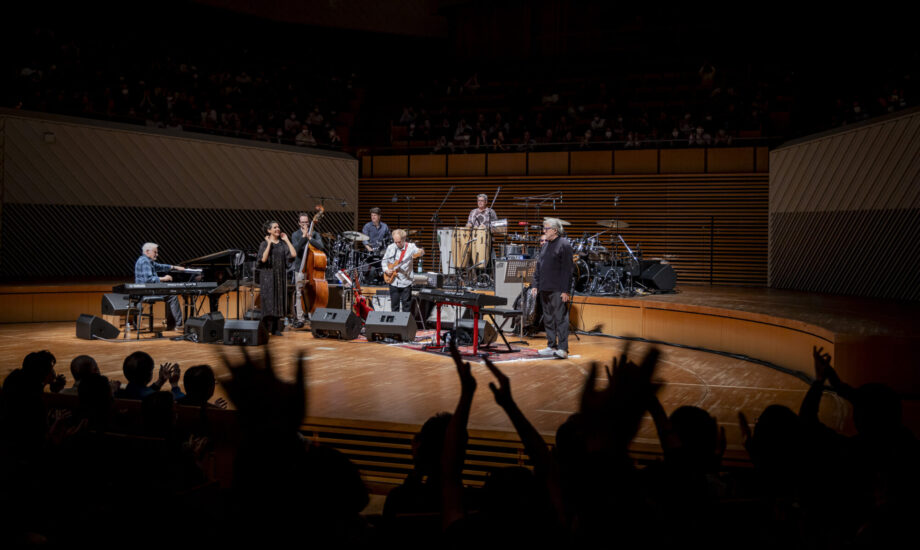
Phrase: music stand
(521, 271)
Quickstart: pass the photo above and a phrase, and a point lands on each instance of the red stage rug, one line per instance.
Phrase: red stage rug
(497, 352)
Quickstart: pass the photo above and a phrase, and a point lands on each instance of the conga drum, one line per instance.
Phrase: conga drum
(460, 247)
(482, 245)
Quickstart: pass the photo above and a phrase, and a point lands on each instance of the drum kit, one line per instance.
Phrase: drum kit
(349, 252)
(602, 270)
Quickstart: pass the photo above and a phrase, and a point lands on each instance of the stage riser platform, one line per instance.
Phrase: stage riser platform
(869, 340)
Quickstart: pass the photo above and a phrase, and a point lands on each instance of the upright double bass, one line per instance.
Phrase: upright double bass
(313, 267)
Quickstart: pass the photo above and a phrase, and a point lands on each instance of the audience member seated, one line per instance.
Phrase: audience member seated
(138, 370)
(80, 367)
(199, 388)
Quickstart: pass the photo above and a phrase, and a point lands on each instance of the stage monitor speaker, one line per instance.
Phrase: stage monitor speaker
(90, 327)
(487, 332)
(335, 323)
(115, 304)
(205, 329)
(659, 276)
(398, 325)
(244, 333)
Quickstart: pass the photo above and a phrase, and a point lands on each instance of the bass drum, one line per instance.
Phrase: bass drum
(582, 275)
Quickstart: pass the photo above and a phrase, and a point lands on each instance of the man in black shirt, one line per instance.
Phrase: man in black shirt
(299, 240)
(552, 280)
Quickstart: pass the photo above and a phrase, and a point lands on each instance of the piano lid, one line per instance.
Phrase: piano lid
(229, 257)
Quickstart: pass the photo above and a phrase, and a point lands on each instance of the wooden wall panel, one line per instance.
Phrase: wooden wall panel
(554, 163)
(683, 161)
(367, 166)
(507, 164)
(592, 162)
(762, 155)
(466, 165)
(393, 166)
(428, 166)
(734, 160)
(643, 161)
(609, 319)
(15, 308)
(712, 228)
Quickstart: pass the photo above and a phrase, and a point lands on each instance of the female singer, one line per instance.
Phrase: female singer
(274, 253)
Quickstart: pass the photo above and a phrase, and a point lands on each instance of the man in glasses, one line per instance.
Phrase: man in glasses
(299, 240)
(552, 281)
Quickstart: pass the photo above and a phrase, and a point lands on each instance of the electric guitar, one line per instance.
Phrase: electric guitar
(388, 278)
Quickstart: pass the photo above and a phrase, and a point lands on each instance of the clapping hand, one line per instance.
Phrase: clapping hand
(822, 364)
(174, 373)
(58, 383)
(502, 391)
(467, 381)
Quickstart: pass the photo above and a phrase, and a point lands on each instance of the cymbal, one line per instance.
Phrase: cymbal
(613, 224)
(329, 236)
(355, 236)
(413, 232)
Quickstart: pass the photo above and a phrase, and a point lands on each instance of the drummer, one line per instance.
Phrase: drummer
(378, 233)
(482, 216)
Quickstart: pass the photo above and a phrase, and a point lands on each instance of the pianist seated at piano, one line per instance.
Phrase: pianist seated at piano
(146, 270)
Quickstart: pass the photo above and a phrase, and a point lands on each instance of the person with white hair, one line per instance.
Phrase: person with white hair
(146, 270)
(397, 270)
(482, 215)
(552, 281)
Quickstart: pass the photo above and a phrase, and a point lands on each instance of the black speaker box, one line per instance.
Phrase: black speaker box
(398, 325)
(115, 304)
(205, 329)
(244, 333)
(90, 327)
(335, 323)
(659, 276)
(487, 332)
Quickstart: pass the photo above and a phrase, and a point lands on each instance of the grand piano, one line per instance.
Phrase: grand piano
(227, 268)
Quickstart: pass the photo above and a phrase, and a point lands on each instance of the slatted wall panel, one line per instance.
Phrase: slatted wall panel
(81, 197)
(104, 241)
(712, 228)
(845, 211)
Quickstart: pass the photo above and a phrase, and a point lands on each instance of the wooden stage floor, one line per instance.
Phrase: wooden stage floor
(359, 383)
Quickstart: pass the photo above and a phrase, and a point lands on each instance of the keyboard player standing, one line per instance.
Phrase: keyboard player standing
(146, 270)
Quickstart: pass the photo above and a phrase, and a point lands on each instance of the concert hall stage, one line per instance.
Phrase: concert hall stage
(724, 349)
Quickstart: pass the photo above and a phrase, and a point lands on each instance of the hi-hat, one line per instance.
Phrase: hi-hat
(412, 232)
(613, 224)
(355, 236)
(329, 236)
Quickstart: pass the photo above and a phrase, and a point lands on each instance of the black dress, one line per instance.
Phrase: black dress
(273, 279)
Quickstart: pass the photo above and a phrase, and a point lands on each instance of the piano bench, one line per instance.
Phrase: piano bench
(140, 313)
(507, 314)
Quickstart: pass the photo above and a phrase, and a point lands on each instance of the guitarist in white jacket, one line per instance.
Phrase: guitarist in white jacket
(397, 270)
